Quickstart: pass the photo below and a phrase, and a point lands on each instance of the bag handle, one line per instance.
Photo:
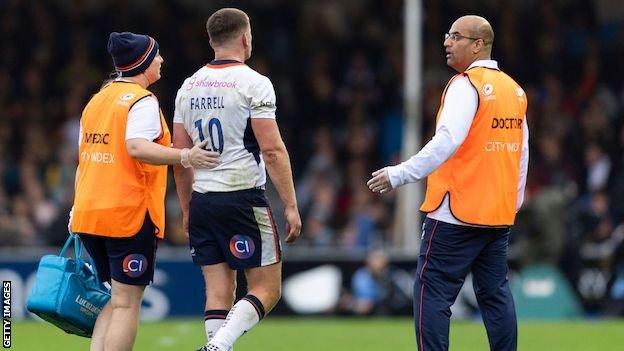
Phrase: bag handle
(68, 242)
(78, 251)
(78, 247)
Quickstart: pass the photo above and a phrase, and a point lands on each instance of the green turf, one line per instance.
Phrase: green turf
(327, 334)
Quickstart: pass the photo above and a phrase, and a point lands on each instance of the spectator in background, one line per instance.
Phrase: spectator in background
(541, 225)
(595, 218)
(598, 166)
(319, 213)
(378, 288)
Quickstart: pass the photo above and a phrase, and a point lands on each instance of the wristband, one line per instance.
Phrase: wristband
(184, 158)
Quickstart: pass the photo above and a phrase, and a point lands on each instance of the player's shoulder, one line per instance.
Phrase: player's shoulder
(251, 82)
(252, 76)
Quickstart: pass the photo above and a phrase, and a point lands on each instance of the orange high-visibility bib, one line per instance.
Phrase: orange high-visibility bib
(113, 190)
(482, 176)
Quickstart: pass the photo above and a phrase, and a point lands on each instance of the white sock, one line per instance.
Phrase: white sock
(213, 319)
(245, 314)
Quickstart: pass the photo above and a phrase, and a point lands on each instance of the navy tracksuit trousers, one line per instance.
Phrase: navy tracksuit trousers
(447, 253)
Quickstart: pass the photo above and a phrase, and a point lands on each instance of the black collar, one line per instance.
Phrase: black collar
(223, 62)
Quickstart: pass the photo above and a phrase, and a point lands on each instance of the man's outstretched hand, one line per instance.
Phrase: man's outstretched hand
(380, 182)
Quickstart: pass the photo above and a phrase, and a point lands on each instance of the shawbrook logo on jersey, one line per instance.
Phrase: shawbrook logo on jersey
(210, 83)
(86, 307)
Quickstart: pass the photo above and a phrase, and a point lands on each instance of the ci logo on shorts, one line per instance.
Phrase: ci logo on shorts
(241, 246)
(134, 265)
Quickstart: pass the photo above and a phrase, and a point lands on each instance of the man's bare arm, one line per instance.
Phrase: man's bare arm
(183, 176)
(278, 166)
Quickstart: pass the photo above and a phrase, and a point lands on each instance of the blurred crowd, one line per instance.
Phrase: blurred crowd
(337, 67)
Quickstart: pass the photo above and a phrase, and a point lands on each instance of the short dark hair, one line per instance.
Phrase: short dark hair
(226, 24)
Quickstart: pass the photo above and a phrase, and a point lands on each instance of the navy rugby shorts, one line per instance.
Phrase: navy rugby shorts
(235, 227)
(126, 260)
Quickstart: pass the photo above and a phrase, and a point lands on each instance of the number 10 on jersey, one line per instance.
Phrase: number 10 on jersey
(215, 132)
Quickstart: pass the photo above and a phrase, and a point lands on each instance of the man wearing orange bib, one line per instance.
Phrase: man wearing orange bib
(119, 206)
(476, 166)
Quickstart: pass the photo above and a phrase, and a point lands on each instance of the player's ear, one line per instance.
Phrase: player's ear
(245, 39)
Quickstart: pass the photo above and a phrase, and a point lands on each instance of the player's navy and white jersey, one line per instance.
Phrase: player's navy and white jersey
(217, 103)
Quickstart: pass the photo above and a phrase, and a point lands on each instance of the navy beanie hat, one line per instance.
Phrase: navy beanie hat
(132, 53)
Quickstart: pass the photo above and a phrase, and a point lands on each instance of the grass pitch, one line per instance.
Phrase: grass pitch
(328, 334)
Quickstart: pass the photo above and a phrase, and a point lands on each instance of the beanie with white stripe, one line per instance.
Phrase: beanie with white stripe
(132, 53)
